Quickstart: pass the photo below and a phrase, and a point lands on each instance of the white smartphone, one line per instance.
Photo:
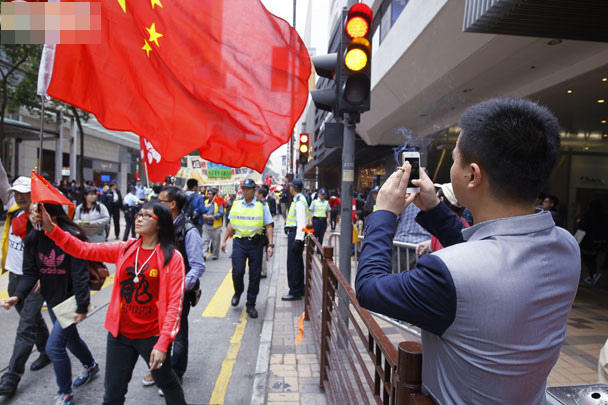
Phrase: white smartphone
(414, 159)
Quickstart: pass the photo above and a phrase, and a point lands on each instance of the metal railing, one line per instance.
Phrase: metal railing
(409, 249)
(359, 364)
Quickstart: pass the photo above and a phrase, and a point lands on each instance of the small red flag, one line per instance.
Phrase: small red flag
(43, 191)
(225, 77)
(157, 168)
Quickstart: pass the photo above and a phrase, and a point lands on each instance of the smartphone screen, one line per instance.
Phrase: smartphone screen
(415, 162)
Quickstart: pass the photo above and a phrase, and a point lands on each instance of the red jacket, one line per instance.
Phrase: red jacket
(171, 289)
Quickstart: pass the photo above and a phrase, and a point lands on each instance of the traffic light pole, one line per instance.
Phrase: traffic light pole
(348, 177)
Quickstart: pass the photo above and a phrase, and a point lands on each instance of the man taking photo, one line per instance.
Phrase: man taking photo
(493, 304)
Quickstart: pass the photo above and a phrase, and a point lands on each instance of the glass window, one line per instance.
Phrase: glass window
(397, 8)
(385, 22)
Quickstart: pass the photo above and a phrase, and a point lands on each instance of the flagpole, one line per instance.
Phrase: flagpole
(41, 135)
(146, 170)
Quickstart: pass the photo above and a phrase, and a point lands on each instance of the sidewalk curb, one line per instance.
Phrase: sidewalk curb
(262, 366)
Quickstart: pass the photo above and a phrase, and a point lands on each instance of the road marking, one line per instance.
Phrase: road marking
(109, 281)
(220, 303)
(221, 384)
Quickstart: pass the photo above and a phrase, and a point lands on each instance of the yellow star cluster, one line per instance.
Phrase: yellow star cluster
(153, 34)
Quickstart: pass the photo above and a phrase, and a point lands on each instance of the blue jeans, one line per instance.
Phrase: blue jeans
(58, 340)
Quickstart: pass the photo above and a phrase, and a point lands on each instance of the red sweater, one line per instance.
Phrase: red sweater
(171, 288)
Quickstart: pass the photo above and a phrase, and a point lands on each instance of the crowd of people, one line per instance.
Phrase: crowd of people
(486, 257)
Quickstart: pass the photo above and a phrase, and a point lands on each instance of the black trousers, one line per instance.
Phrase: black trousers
(243, 249)
(121, 356)
(295, 266)
(179, 360)
(31, 330)
(115, 214)
(320, 226)
(334, 218)
(130, 220)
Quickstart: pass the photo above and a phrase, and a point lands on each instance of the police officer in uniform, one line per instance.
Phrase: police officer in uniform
(294, 225)
(188, 242)
(248, 217)
(320, 208)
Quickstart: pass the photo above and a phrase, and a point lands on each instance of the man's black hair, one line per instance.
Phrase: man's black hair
(192, 183)
(553, 199)
(175, 194)
(263, 190)
(515, 141)
(157, 187)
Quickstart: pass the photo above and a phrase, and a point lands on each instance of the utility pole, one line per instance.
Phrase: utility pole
(348, 177)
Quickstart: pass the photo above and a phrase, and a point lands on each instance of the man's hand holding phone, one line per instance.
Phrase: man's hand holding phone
(427, 198)
(392, 195)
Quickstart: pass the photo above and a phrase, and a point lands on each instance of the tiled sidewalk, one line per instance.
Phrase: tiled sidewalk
(294, 369)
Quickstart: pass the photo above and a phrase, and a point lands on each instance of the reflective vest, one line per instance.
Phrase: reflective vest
(291, 215)
(374, 209)
(247, 221)
(319, 208)
(217, 222)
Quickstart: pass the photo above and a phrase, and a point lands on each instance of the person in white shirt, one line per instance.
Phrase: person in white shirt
(92, 216)
(32, 329)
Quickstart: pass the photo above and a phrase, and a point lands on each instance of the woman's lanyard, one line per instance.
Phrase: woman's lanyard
(137, 271)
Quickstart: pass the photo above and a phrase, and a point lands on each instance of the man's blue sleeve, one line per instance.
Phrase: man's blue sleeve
(220, 212)
(442, 223)
(424, 296)
(195, 258)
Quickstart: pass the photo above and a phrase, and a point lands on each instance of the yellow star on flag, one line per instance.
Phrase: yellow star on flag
(153, 34)
(147, 48)
(156, 2)
(123, 4)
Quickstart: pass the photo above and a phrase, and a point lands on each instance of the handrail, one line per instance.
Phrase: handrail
(355, 366)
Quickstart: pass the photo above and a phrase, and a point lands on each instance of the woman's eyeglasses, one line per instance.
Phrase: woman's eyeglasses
(146, 216)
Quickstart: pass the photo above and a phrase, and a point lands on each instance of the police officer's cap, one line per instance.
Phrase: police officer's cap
(297, 183)
(248, 183)
(322, 191)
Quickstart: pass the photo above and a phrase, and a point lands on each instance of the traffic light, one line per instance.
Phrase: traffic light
(304, 147)
(325, 66)
(355, 60)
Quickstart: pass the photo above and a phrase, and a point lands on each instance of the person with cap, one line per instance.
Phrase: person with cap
(113, 201)
(130, 204)
(212, 225)
(248, 217)
(320, 218)
(31, 329)
(446, 195)
(294, 227)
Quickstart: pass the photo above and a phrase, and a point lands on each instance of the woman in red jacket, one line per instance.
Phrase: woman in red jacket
(144, 313)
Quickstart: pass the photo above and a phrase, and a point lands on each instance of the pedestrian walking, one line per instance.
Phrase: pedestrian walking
(146, 302)
(195, 205)
(113, 201)
(130, 207)
(334, 204)
(294, 227)
(61, 276)
(320, 214)
(248, 217)
(188, 242)
(31, 329)
(92, 216)
(212, 225)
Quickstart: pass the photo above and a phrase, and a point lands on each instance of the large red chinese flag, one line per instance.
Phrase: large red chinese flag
(223, 76)
(43, 191)
(157, 168)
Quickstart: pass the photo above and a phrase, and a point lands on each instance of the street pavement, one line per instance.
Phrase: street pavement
(224, 347)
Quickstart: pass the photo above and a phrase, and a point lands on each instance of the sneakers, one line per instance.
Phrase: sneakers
(588, 280)
(148, 380)
(64, 399)
(87, 376)
(40, 362)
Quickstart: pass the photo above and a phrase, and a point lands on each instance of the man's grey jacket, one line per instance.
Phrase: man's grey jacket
(492, 306)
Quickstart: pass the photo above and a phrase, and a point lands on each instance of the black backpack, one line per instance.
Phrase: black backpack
(189, 211)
